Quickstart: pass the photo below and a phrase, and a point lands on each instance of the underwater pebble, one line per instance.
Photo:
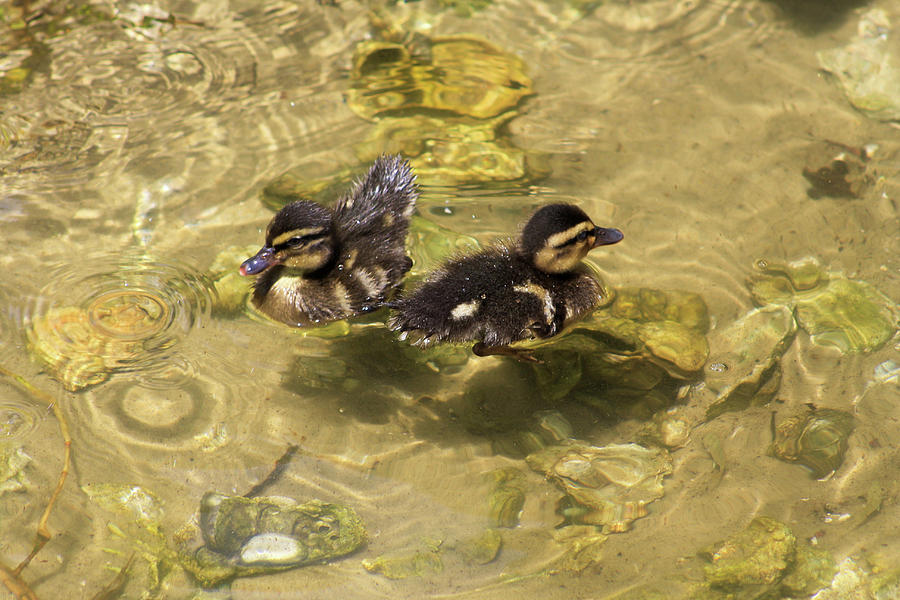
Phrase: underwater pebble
(271, 549)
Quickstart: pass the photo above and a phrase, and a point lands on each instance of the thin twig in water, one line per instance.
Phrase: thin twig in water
(114, 588)
(15, 584)
(11, 577)
(280, 465)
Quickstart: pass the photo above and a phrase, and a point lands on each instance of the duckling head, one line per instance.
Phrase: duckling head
(298, 237)
(558, 236)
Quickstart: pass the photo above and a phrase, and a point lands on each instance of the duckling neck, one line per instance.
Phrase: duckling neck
(530, 259)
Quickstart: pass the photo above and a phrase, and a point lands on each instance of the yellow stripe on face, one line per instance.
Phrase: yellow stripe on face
(307, 258)
(558, 239)
(296, 233)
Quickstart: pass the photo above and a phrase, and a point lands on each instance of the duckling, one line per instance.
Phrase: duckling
(510, 291)
(321, 264)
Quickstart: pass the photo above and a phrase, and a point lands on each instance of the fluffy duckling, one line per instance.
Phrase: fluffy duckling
(321, 264)
(509, 291)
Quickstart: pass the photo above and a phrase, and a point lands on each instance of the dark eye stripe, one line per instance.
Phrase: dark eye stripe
(299, 234)
(300, 239)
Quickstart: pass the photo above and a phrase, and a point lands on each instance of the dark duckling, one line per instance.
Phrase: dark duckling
(510, 291)
(321, 264)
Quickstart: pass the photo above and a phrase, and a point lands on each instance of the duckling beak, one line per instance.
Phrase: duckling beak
(605, 237)
(264, 259)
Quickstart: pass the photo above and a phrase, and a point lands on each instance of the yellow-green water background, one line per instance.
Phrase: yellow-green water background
(130, 144)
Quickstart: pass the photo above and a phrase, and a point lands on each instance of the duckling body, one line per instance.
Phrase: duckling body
(510, 291)
(320, 264)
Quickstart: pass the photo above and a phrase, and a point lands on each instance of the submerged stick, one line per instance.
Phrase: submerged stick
(15, 584)
(10, 577)
(114, 588)
(280, 465)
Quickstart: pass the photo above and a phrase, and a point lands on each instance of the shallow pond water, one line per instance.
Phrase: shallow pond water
(138, 141)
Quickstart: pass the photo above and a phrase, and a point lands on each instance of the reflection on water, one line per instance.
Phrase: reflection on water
(137, 145)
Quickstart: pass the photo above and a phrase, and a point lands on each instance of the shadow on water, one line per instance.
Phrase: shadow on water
(816, 16)
(448, 397)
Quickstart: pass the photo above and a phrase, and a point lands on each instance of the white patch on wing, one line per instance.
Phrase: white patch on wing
(368, 282)
(351, 259)
(542, 294)
(465, 309)
(342, 297)
(379, 275)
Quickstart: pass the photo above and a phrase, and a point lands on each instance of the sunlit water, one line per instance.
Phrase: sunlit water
(132, 155)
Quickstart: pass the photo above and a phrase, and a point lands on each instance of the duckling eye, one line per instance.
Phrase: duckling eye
(295, 241)
(582, 235)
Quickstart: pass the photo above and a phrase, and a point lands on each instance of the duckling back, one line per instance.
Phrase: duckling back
(370, 224)
(381, 203)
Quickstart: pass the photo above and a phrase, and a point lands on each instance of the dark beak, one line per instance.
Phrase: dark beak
(264, 259)
(605, 237)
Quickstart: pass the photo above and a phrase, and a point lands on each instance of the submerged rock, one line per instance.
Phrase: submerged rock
(608, 486)
(665, 328)
(252, 536)
(452, 151)
(82, 351)
(846, 174)
(138, 503)
(12, 469)
(232, 288)
(668, 428)
(765, 560)
(443, 103)
(443, 151)
(868, 68)
(817, 439)
(745, 361)
(582, 547)
(405, 564)
(813, 569)
(507, 497)
(633, 347)
(461, 75)
(850, 315)
(480, 549)
(758, 555)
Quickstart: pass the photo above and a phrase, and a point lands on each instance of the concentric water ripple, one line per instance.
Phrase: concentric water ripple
(189, 415)
(18, 416)
(108, 119)
(119, 317)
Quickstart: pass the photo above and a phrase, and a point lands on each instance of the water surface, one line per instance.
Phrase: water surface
(134, 151)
